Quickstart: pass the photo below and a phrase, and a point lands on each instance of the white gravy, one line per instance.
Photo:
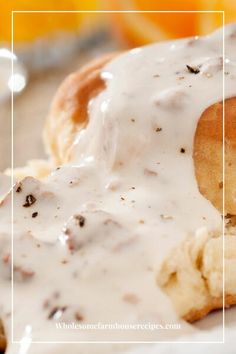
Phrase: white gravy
(89, 238)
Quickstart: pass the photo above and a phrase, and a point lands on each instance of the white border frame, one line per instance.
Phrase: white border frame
(12, 177)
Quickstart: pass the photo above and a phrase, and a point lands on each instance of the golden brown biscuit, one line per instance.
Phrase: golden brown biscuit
(68, 112)
(208, 155)
(201, 270)
(195, 284)
(3, 342)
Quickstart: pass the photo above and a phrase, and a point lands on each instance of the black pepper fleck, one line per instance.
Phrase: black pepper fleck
(55, 310)
(35, 214)
(19, 188)
(158, 129)
(182, 150)
(193, 69)
(80, 219)
(29, 200)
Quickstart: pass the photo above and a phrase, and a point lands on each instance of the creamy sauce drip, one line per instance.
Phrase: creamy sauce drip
(88, 240)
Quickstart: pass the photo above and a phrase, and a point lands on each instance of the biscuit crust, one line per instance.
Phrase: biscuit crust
(69, 109)
(3, 342)
(214, 304)
(208, 154)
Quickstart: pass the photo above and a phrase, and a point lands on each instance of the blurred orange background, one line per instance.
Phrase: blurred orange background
(132, 29)
(149, 27)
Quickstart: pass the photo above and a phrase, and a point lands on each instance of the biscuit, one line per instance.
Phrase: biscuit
(195, 284)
